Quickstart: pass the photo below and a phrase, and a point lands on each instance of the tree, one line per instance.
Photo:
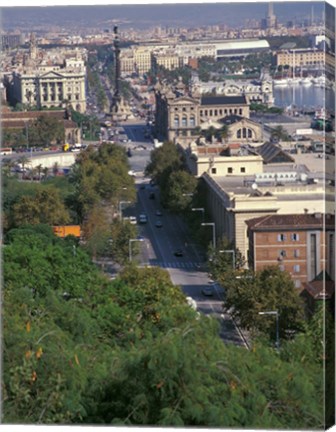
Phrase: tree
(45, 207)
(23, 162)
(280, 133)
(269, 289)
(96, 231)
(39, 170)
(46, 130)
(163, 161)
(180, 185)
(224, 259)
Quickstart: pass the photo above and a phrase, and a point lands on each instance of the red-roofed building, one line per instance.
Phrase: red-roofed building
(302, 244)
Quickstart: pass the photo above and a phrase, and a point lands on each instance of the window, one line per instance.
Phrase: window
(184, 121)
(295, 237)
(230, 170)
(296, 253)
(244, 132)
(281, 267)
(297, 283)
(206, 112)
(213, 170)
(192, 121)
(242, 169)
(176, 121)
(239, 133)
(210, 113)
(249, 133)
(282, 253)
(216, 113)
(296, 268)
(281, 237)
(313, 256)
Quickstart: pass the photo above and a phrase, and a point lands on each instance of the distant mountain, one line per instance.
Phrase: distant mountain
(142, 16)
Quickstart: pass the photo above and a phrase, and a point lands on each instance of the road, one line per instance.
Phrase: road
(159, 244)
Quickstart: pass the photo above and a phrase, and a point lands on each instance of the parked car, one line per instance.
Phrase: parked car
(208, 291)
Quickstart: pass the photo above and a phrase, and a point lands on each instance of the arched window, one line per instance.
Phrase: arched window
(244, 132)
(249, 133)
(240, 111)
(176, 121)
(239, 133)
(184, 121)
(192, 121)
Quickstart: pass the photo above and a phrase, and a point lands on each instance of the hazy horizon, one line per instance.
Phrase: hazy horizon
(143, 15)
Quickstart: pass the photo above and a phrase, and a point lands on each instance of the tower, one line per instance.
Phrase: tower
(271, 18)
(116, 94)
(120, 109)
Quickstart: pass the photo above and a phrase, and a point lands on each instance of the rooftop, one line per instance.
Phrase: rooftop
(223, 100)
(288, 221)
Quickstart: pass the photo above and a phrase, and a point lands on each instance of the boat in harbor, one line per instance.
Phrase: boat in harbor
(306, 81)
(280, 82)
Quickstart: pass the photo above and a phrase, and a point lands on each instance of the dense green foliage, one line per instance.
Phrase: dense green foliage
(224, 258)
(101, 177)
(269, 289)
(167, 168)
(78, 348)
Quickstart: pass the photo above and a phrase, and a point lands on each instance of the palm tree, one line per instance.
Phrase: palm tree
(223, 133)
(39, 170)
(55, 168)
(45, 172)
(280, 133)
(7, 165)
(23, 161)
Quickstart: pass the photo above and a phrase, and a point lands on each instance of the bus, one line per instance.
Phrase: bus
(6, 151)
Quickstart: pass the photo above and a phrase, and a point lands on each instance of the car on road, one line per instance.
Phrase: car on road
(158, 224)
(158, 213)
(142, 218)
(208, 291)
(178, 253)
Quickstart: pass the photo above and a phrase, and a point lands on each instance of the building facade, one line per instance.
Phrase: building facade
(44, 83)
(301, 244)
(300, 57)
(180, 114)
(232, 200)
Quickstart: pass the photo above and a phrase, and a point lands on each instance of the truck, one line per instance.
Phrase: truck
(65, 230)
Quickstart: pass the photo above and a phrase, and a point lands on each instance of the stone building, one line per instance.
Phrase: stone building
(256, 91)
(181, 114)
(44, 83)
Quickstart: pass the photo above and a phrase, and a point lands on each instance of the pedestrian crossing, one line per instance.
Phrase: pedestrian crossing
(176, 264)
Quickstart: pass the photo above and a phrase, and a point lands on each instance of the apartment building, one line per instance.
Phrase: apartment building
(301, 244)
(300, 57)
(232, 199)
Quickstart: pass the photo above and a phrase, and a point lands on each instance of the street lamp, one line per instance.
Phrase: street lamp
(276, 313)
(120, 207)
(199, 209)
(233, 256)
(130, 246)
(213, 231)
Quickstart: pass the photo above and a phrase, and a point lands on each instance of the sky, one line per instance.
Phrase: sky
(143, 13)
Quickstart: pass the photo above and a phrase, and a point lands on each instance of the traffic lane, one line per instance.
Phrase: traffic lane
(166, 238)
(192, 283)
